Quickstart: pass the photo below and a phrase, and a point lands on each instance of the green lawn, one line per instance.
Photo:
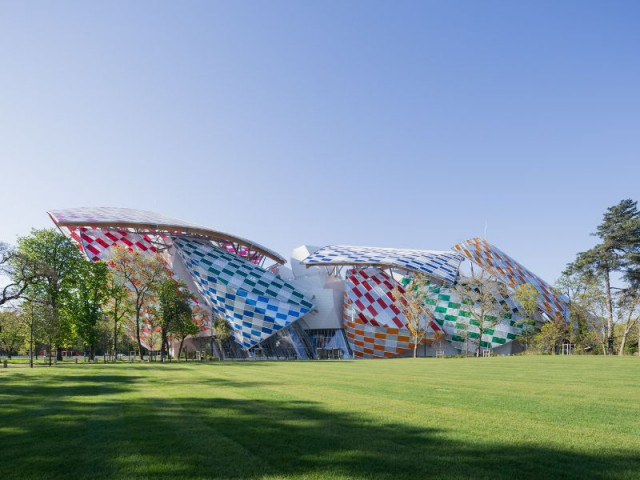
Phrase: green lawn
(518, 417)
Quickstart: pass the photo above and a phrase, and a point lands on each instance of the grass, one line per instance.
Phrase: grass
(498, 418)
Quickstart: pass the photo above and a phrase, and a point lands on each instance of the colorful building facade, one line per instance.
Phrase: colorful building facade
(334, 301)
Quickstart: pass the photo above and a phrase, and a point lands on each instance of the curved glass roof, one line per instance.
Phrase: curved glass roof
(442, 265)
(142, 220)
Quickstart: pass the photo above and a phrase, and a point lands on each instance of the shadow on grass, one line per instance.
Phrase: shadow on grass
(110, 426)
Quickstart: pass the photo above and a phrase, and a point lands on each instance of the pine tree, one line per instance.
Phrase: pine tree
(617, 252)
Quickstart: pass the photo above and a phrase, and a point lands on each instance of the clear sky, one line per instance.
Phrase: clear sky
(405, 124)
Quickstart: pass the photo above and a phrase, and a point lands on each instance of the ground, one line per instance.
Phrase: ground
(508, 417)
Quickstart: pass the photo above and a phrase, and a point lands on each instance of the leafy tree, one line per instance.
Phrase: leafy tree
(585, 294)
(482, 298)
(527, 296)
(49, 328)
(86, 300)
(20, 271)
(184, 326)
(118, 306)
(629, 311)
(551, 335)
(143, 274)
(588, 310)
(222, 331)
(154, 340)
(412, 305)
(174, 305)
(617, 252)
(13, 331)
(58, 261)
(29, 314)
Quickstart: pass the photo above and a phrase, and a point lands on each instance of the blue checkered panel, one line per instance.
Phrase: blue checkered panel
(439, 265)
(256, 302)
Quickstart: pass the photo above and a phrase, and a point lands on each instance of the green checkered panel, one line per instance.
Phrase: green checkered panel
(458, 323)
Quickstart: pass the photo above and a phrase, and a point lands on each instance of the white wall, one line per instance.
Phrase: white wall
(326, 292)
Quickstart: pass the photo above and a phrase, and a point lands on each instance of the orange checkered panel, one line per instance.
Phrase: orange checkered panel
(375, 326)
(513, 274)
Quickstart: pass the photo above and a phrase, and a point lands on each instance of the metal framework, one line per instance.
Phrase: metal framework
(149, 223)
(438, 265)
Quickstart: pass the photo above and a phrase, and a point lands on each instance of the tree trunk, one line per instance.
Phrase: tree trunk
(31, 341)
(92, 352)
(610, 312)
(220, 349)
(180, 349)
(138, 333)
(415, 346)
(623, 341)
(115, 337)
(480, 333)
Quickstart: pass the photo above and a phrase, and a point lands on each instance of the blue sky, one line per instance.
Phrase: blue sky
(406, 124)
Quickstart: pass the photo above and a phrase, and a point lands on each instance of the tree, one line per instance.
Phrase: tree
(86, 300)
(154, 340)
(29, 313)
(483, 299)
(174, 306)
(48, 327)
(585, 294)
(222, 331)
(527, 296)
(412, 303)
(118, 305)
(588, 308)
(12, 331)
(185, 326)
(618, 250)
(462, 331)
(629, 311)
(57, 261)
(142, 273)
(551, 335)
(20, 271)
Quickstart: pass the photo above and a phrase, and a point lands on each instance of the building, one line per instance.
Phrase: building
(334, 301)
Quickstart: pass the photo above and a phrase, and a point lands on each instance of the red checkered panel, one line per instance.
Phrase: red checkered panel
(95, 243)
(371, 291)
(375, 326)
(369, 341)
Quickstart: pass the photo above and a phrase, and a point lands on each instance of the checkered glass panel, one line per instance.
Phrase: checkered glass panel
(256, 302)
(375, 326)
(457, 323)
(507, 270)
(440, 265)
(96, 242)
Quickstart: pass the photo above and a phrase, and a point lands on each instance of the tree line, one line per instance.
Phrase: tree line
(54, 300)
